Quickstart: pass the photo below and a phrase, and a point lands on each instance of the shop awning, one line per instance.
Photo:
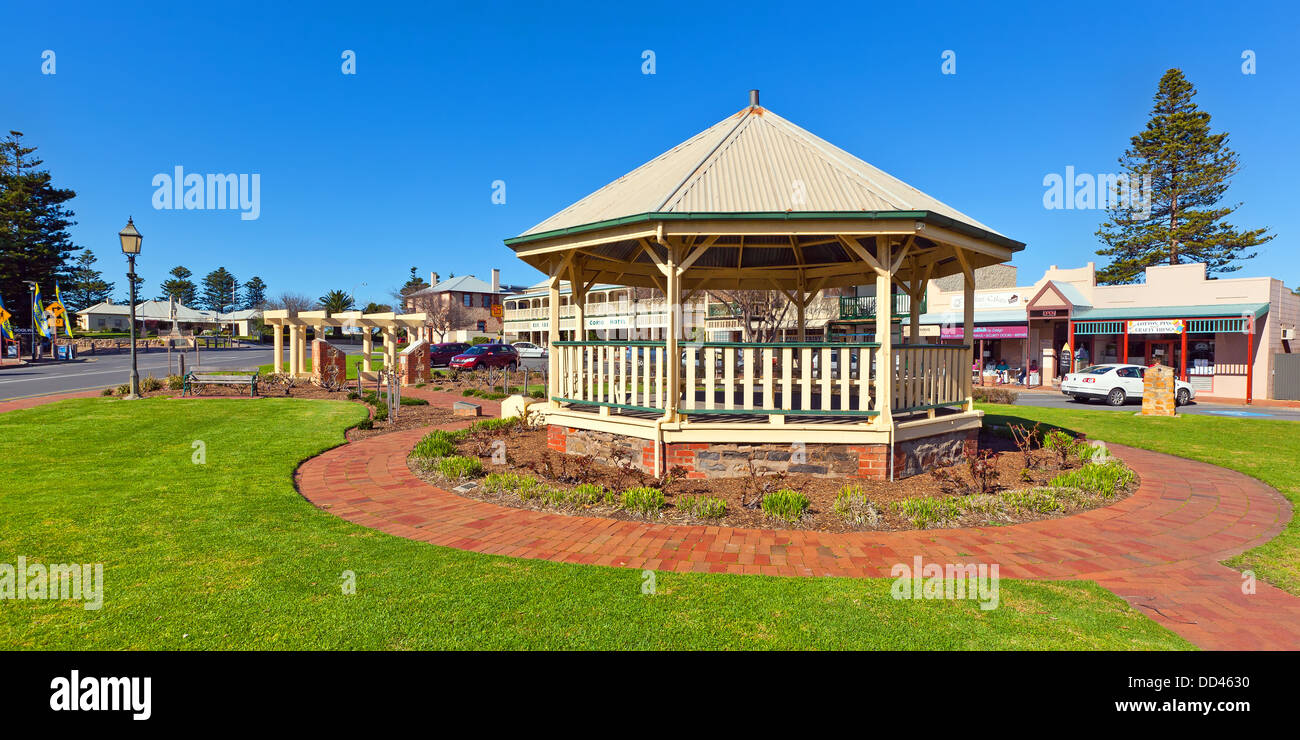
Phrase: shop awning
(1226, 310)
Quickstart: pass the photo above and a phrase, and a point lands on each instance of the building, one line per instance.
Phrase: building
(612, 312)
(461, 308)
(154, 316)
(1221, 335)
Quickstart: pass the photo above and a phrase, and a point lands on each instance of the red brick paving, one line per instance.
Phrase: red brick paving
(1158, 549)
(27, 403)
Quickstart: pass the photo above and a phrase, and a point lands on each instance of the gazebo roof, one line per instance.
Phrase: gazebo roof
(751, 162)
(755, 201)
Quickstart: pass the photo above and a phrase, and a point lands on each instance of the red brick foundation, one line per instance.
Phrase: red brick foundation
(729, 460)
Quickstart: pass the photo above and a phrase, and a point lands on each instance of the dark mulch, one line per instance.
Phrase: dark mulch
(527, 453)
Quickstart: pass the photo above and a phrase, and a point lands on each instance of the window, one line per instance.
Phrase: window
(467, 299)
(1129, 372)
(482, 326)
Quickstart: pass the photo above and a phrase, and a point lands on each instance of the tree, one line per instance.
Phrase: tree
(336, 301)
(413, 283)
(180, 287)
(86, 285)
(34, 240)
(443, 315)
(1180, 218)
(373, 307)
(139, 289)
(292, 302)
(759, 312)
(220, 289)
(254, 293)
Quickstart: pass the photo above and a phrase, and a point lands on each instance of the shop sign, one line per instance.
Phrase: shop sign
(1157, 326)
(987, 332)
(989, 300)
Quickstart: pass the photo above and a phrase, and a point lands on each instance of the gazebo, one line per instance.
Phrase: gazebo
(758, 203)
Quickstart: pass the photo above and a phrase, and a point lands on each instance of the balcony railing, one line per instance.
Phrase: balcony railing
(864, 307)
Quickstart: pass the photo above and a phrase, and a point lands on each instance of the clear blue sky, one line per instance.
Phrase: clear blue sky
(364, 176)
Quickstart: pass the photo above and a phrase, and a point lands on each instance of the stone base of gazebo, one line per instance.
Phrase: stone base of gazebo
(934, 447)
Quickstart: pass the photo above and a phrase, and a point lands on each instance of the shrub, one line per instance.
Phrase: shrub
(511, 483)
(924, 512)
(495, 425)
(1103, 479)
(481, 340)
(469, 392)
(588, 494)
(149, 384)
(124, 389)
(414, 402)
(1066, 447)
(702, 507)
(106, 392)
(643, 500)
(353, 395)
(460, 468)
(537, 394)
(554, 496)
(853, 505)
(175, 382)
(435, 444)
(1036, 500)
(993, 394)
(786, 504)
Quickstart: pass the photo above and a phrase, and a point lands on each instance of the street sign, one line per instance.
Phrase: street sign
(498, 310)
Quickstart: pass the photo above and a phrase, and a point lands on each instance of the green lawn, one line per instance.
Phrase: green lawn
(227, 555)
(350, 362)
(1267, 449)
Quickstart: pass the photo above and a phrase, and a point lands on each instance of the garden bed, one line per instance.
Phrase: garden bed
(1010, 481)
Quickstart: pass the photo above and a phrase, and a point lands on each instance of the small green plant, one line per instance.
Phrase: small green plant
(407, 401)
(149, 384)
(438, 443)
(1103, 479)
(786, 504)
(124, 390)
(925, 512)
(855, 507)
(469, 392)
(175, 382)
(702, 507)
(643, 500)
(458, 467)
(1034, 500)
(353, 395)
(554, 496)
(106, 392)
(495, 425)
(588, 494)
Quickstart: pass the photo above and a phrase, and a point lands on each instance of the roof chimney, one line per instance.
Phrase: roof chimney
(433, 279)
(496, 280)
(753, 98)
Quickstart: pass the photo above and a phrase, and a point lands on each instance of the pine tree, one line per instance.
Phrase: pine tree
(1189, 170)
(254, 293)
(180, 287)
(34, 240)
(219, 290)
(86, 285)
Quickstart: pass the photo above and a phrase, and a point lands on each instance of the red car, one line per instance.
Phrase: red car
(441, 353)
(485, 356)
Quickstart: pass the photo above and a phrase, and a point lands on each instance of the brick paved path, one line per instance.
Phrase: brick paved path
(1158, 549)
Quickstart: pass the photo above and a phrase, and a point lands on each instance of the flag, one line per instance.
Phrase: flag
(38, 314)
(63, 312)
(6, 330)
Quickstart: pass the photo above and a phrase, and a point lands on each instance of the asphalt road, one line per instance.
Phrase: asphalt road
(1061, 401)
(98, 371)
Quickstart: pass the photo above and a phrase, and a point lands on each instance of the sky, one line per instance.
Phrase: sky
(362, 176)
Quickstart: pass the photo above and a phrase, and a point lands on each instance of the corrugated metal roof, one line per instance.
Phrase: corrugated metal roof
(461, 284)
(751, 162)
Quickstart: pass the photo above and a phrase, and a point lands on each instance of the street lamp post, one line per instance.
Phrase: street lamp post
(31, 301)
(131, 247)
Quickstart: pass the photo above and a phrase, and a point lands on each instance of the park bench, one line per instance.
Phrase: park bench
(225, 377)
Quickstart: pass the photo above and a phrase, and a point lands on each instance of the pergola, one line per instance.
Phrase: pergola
(298, 322)
(756, 202)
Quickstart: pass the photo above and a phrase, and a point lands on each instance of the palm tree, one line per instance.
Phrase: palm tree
(336, 301)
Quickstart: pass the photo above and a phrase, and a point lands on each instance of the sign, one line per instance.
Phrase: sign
(4, 316)
(989, 300)
(1157, 326)
(987, 332)
(498, 310)
(1047, 314)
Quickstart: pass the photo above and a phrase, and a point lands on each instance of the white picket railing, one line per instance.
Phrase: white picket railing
(929, 376)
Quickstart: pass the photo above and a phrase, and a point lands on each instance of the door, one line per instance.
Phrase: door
(1130, 379)
(1286, 376)
(1161, 352)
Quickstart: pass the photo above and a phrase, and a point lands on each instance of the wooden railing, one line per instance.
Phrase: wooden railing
(774, 380)
(803, 378)
(929, 376)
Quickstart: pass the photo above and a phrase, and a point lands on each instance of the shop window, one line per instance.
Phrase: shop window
(482, 326)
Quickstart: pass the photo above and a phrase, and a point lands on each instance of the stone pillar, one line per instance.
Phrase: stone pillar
(277, 344)
(367, 349)
(1158, 391)
(413, 365)
(294, 357)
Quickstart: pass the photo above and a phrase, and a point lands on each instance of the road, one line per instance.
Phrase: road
(99, 371)
(1061, 401)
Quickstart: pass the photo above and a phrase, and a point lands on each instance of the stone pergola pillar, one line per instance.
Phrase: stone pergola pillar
(293, 349)
(367, 348)
(278, 347)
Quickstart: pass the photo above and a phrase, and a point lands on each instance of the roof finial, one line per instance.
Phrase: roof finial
(753, 98)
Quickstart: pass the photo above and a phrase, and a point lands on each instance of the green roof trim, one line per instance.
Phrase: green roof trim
(1227, 310)
(925, 216)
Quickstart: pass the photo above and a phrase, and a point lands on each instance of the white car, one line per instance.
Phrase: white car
(528, 349)
(1116, 383)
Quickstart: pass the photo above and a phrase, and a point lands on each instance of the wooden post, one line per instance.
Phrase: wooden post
(800, 305)
(553, 335)
(1182, 362)
(914, 313)
(885, 354)
(672, 357)
(968, 323)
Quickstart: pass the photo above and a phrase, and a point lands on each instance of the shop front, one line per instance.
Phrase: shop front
(1003, 349)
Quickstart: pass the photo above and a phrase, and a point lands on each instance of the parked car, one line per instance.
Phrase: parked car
(440, 354)
(485, 356)
(1116, 383)
(528, 349)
